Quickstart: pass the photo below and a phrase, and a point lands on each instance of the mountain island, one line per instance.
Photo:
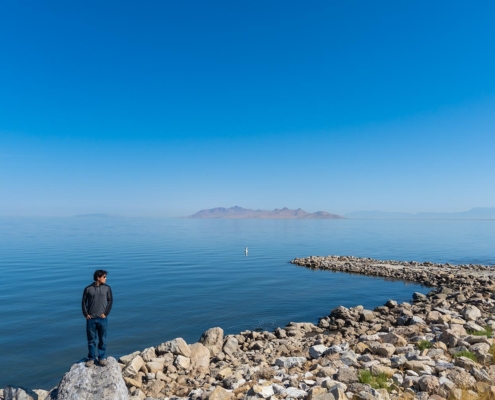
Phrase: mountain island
(284, 213)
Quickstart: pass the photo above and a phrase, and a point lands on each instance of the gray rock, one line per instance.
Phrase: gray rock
(347, 375)
(289, 362)
(103, 383)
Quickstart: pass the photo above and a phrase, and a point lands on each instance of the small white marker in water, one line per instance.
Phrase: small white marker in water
(246, 251)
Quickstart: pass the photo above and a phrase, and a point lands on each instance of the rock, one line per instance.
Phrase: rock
(200, 358)
(219, 393)
(154, 367)
(103, 383)
(317, 351)
(419, 296)
(396, 340)
(383, 349)
(261, 391)
(397, 361)
(177, 346)
(182, 362)
(366, 315)
(133, 366)
(391, 304)
(230, 346)
(331, 384)
(213, 340)
(289, 362)
(128, 357)
(461, 378)
(347, 375)
(319, 393)
(471, 313)
(429, 384)
(472, 326)
(349, 358)
(415, 320)
(292, 392)
(18, 393)
(224, 373)
(148, 354)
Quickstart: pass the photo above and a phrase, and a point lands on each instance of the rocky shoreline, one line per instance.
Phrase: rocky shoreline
(437, 346)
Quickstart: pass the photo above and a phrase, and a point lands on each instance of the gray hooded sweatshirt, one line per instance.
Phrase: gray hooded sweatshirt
(97, 300)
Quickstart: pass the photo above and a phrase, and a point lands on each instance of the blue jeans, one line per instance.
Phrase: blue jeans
(96, 328)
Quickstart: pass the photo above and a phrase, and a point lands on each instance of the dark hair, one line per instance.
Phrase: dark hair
(98, 274)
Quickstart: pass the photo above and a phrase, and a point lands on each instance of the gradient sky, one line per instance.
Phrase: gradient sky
(162, 108)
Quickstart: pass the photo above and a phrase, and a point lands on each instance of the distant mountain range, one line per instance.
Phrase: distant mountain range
(474, 213)
(96, 216)
(239, 212)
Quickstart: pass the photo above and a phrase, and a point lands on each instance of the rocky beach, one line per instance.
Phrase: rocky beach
(437, 346)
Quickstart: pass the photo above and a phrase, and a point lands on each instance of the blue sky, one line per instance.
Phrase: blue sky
(162, 108)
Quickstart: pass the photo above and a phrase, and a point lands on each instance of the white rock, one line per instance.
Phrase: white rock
(289, 362)
(317, 351)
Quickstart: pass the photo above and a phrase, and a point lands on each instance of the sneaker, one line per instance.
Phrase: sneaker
(103, 362)
(90, 363)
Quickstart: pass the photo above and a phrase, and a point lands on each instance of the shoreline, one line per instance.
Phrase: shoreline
(326, 361)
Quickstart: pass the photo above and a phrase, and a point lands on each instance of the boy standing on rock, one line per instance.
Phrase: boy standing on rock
(96, 305)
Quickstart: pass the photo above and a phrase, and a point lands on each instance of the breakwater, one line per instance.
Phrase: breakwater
(438, 346)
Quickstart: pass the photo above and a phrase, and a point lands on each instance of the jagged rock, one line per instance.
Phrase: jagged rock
(176, 346)
(103, 383)
(133, 366)
(148, 354)
(213, 340)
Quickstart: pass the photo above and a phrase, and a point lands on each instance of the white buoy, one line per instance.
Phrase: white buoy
(246, 251)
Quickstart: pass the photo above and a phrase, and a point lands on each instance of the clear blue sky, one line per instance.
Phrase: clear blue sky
(162, 108)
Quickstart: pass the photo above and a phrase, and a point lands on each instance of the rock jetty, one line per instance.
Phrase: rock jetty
(437, 346)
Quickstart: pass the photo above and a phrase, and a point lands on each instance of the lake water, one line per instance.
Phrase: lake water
(179, 277)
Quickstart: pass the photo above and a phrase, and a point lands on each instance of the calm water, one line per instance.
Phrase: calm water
(179, 277)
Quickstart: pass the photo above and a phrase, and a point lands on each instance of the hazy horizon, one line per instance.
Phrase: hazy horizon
(162, 109)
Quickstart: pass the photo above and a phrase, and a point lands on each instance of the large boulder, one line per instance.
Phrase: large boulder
(200, 358)
(83, 383)
(213, 340)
